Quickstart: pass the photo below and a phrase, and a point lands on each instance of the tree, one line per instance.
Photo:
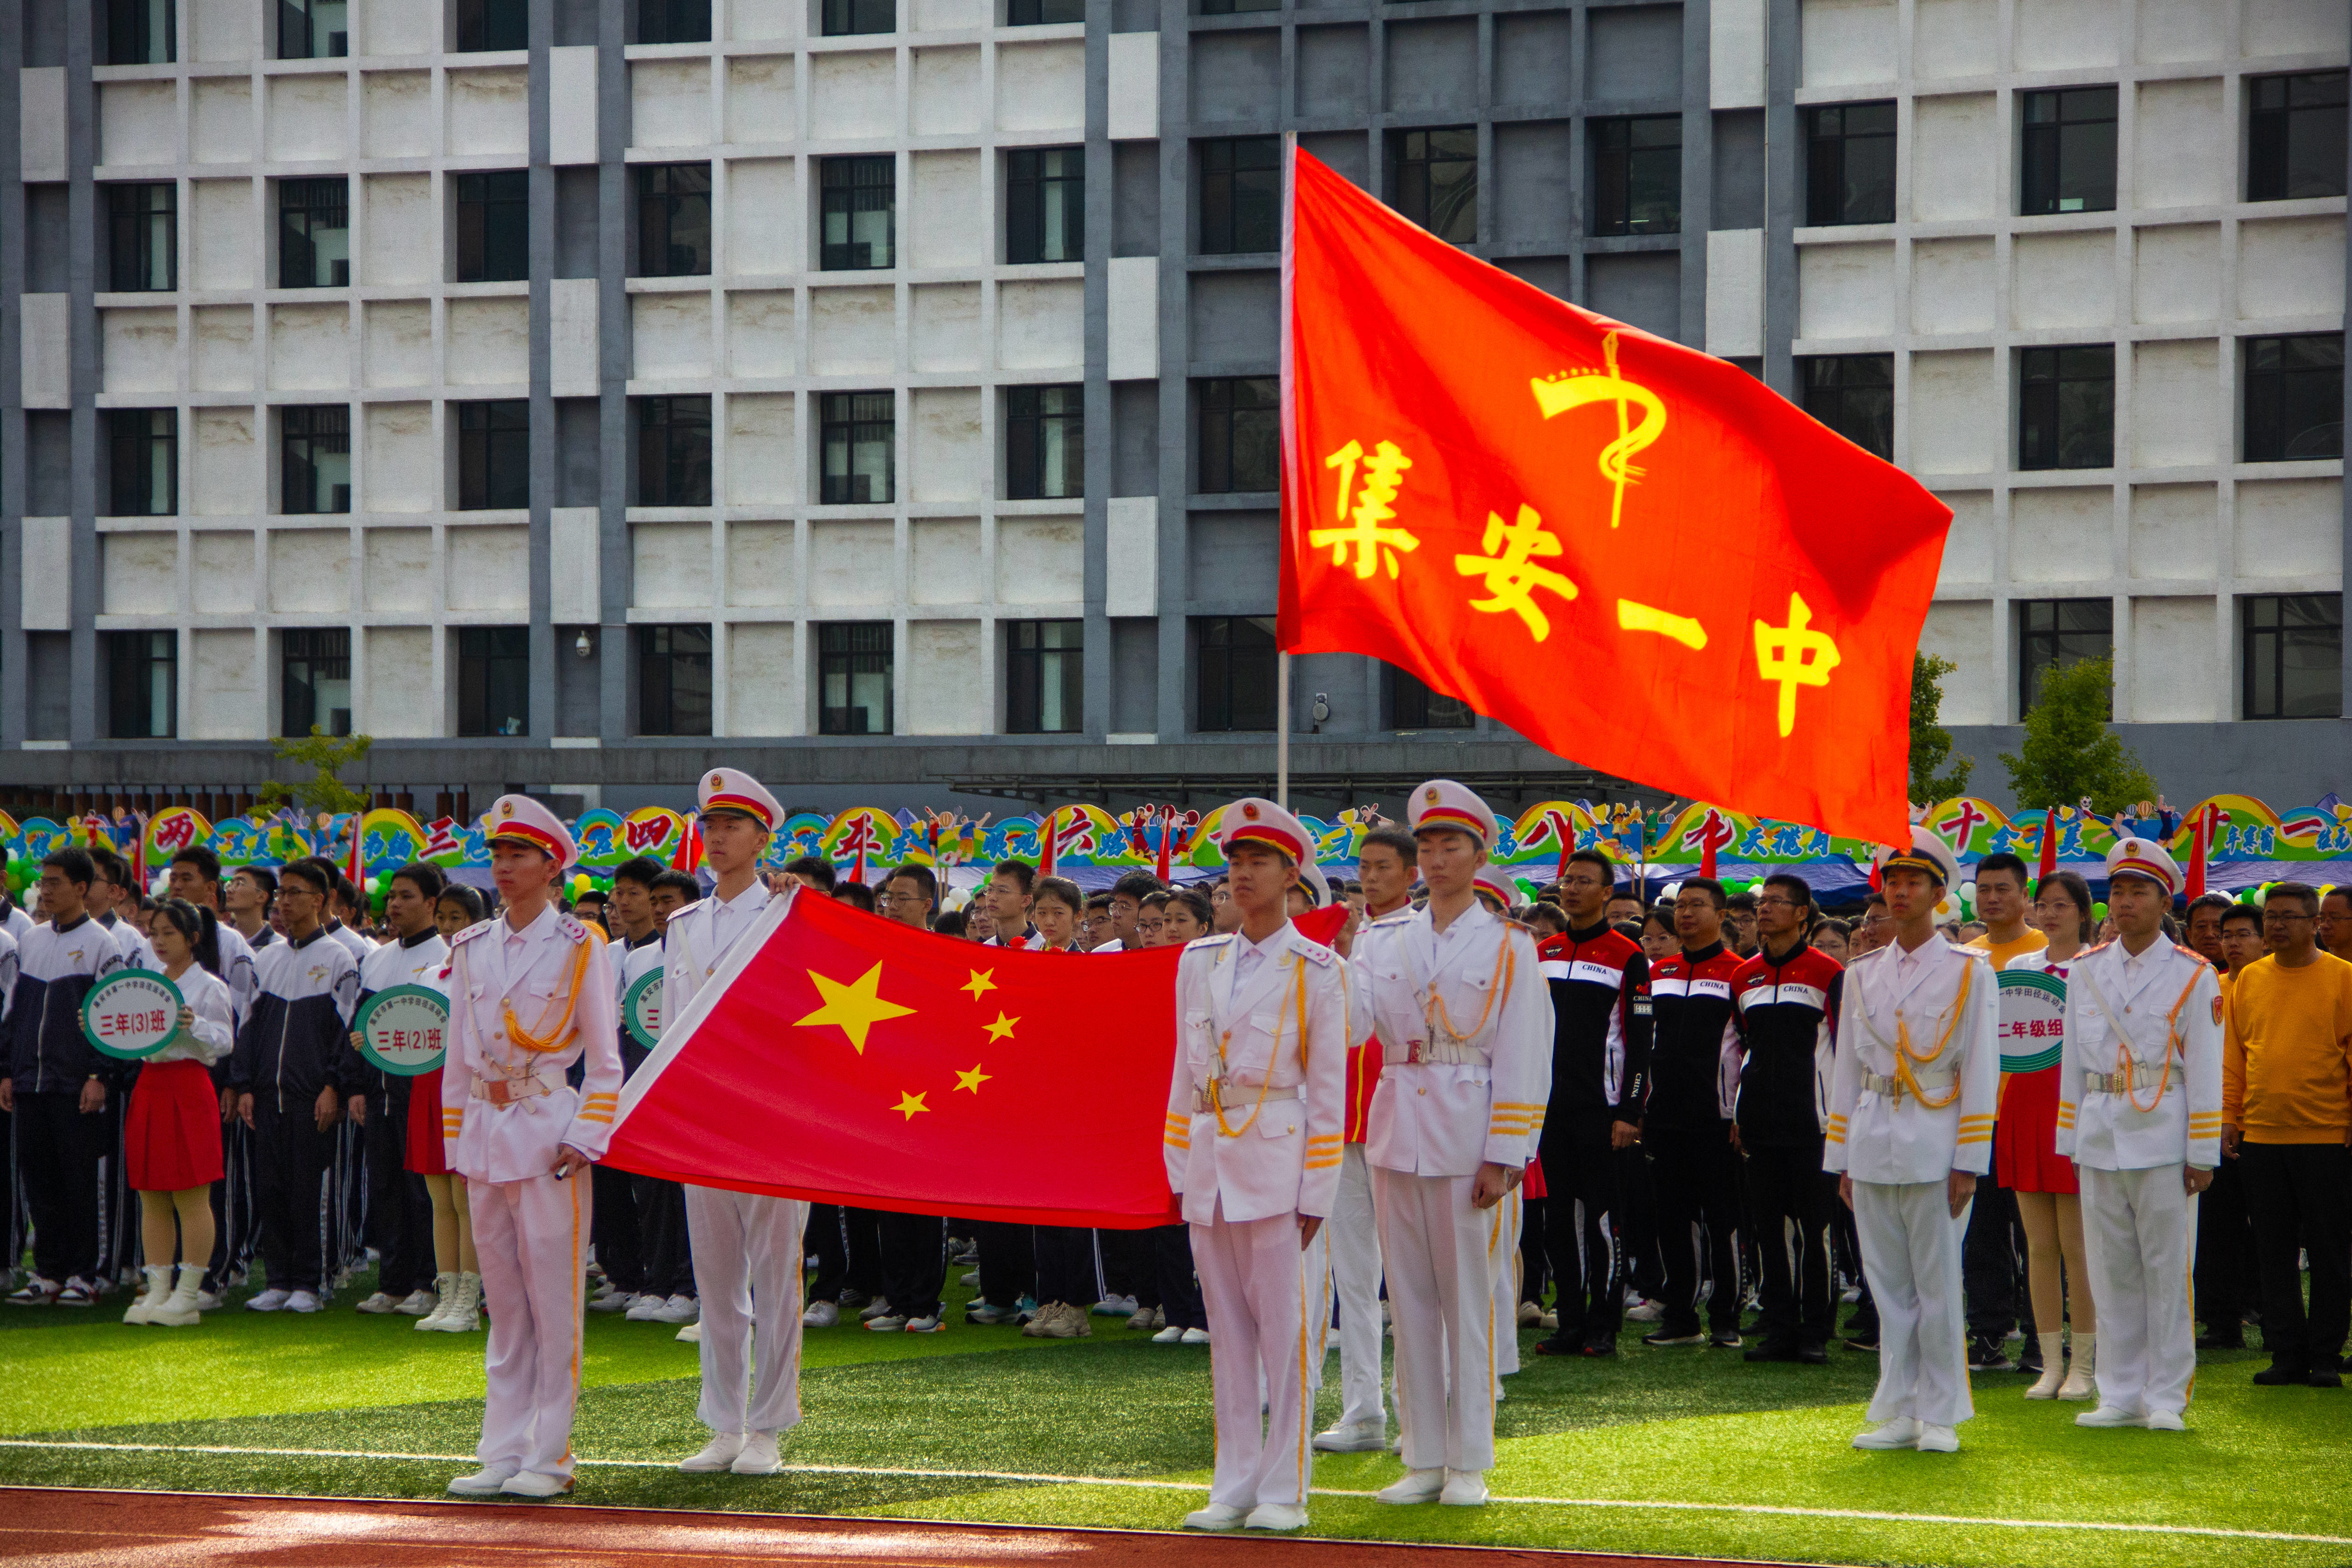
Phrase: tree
(2070, 751)
(1930, 741)
(328, 756)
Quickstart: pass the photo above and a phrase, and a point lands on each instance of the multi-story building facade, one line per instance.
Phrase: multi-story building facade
(880, 393)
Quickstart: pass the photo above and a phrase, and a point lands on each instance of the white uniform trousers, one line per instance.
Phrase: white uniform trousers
(2139, 1230)
(1441, 1255)
(1262, 1335)
(532, 1236)
(1354, 1238)
(748, 1272)
(1911, 1255)
(1507, 1286)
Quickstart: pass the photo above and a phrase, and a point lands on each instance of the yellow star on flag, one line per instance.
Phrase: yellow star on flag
(1003, 1027)
(982, 980)
(908, 1104)
(855, 1008)
(972, 1080)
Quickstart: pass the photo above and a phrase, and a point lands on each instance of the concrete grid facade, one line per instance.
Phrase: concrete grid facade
(1954, 290)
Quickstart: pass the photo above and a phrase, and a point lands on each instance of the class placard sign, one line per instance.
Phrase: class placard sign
(641, 1008)
(131, 1014)
(2032, 1019)
(404, 1029)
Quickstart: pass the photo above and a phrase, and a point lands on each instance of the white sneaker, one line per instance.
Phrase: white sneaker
(376, 1302)
(1171, 1334)
(759, 1457)
(821, 1315)
(1903, 1432)
(679, 1309)
(879, 1307)
(272, 1300)
(303, 1301)
(1463, 1489)
(207, 1302)
(1530, 1314)
(888, 1323)
(1356, 1438)
(691, 1334)
(484, 1483)
(1216, 1516)
(1647, 1312)
(531, 1483)
(418, 1304)
(642, 1308)
(1939, 1440)
(2164, 1421)
(970, 1276)
(2110, 1416)
(1276, 1516)
(614, 1302)
(930, 1324)
(1418, 1486)
(1193, 1337)
(716, 1455)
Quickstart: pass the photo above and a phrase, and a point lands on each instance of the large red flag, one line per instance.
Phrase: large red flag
(847, 1059)
(1634, 554)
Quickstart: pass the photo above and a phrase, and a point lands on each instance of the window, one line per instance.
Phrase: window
(1044, 443)
(858, 433)
(1437, 181)
(845, 17)
(143, 680)
(1850, 163)
(2053, 634)
(139, 32)
(1412, 706)
(314, 233)
(859, 210)
(494, 226)
(1240, 195)
(673, 220)
(853, 665)
(674, 680)
(2066, 407)
(1637, 175)
(2070, 151)
(2294, 398)
(2294, 137)
(142, 238)
(1045, 205)
(1038, 13)
(146, 469)
(1234, 8)
(1241, 434)
(313, 30)
(1854, 395)
(674, 21)
(1045, 677)
(485, 25)
(674, 451)
(315, 684)
(2294, 656)
(1236, 661)
(494, 680)
(493, 455)
(316, 474)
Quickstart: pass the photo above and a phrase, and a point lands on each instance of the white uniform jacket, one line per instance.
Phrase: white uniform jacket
(214, 1033)
(697, 941)
(404, 964)
(521, 1139)
(1879, 1130)
(1273, 1052)
(2141, 1032)
(1446, 1104)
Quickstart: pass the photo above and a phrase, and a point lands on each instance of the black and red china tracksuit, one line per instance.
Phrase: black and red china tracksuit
(294, 1044)
(1788, 1024)
(1694, 1054)
(1599, 980)
(62, 1151)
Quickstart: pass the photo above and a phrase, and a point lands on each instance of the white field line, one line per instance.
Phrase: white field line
(1874, 1516)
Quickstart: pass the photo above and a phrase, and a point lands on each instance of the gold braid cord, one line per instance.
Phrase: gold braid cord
(1437, 1016)
(2171, 1043)
(1217, 1100)
(1904, 1062)
(546, 1038)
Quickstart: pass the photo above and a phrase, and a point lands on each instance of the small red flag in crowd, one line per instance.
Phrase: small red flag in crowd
(1634, 554)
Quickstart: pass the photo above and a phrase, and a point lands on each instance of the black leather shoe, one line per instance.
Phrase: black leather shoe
(1553, 1344)
(2325, 1380)
(1772, 1349)
(1814, 1355)
(1600, 1348)
(2276, 1376)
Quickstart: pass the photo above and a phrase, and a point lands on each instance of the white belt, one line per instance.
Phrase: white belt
(1938, 1077)
(1224, 1091)
(2137, 1075)
(1432, 1053)
(504, 1091)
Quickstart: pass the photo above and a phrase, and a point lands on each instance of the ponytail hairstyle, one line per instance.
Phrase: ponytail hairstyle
(199, 926)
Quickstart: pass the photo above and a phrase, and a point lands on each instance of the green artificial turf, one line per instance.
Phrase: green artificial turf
(1652, 1428)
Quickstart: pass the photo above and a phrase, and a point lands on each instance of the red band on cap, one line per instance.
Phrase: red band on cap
(2148, 869)
(537, 838)
(1260, 833)
(1444, 815)
(744, 803)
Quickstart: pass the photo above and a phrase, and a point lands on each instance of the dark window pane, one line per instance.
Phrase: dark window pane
(673, 220)
(854, 671)
(314, 233)
(674, 451)
(2294, 398)
(2068, 151)
(1237, 666)
(1044, 443)
(143, 237)
(139, 32)
(1241, 434)
(485, 25)
(858, 435)
(2066, 407)
(144, 467)
(1412, 706)
(315, 681)
(1854, 395)
(494, 680)
(845, 17)
(2294, 655)
(1044, 678)
(493, 455)
(2294, 136)
(1849, 164)
(493, 226)
(2053, 634)
(1234, 8)
(858, 209)
(674, 21)
(1045, 205)
(1637, 175)
(143, 677)
(1038, 13)
(313, 30)
(674, 680)
(1240, 195)
(1437, 181)
(315, 473)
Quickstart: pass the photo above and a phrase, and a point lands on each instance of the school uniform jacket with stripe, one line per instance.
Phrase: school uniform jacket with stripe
(2163, 1013)
(1947, 995)
(56, 966)
(295, 1041)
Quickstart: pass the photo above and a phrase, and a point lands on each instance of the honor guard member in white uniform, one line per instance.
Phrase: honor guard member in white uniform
(1910, 1130)
(531, 993)
(1253, 1149)
(1458, 999)
(746, 1245)
(2140, 1113)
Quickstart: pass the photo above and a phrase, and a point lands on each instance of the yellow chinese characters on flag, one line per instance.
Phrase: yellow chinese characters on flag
(1637, 556)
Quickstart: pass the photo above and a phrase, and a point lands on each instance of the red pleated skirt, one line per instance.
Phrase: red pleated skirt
(427, 1153)
(172, 1133)
(2026, 1138)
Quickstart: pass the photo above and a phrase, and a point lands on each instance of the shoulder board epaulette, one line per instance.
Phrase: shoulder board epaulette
(574, 929)
(1315, 953)
(1218, 940)
(1983, 953)
(2192, 954)
(686, 908)
(468, 934)
(1867, 957)
(1398, 918)
(2094, 947)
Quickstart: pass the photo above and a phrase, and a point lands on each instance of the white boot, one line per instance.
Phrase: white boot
(445, 1287)
(158, 1287)
(2053, 1366)
(2081, 1374)
(179, 1309)
(464, 1314)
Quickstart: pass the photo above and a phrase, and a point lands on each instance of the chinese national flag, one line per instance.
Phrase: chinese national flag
(843, 1058)
(1633, 553)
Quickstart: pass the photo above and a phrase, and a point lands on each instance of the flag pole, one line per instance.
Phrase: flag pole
(1282, 657)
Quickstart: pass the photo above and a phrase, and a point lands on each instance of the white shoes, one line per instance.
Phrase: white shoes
(2083, 1375)
(1356, 1437)
(691, 1334)
(888, 1323)
(377, 1302)
(879, 1307)
(303, 1301)
(445, 1296)
(1902, 1432)
(759, 1457)
(159, 1291)
(642, 1308)
(930, 1324)
(1418, 1486)
(461, 1310)
(717, 1454)
(821, 1315)
(2054, 1367)
(416, 1303)
(1276, 1516)
(268, 1300)
(1216, 1516)
(1192, 1336)
(1939, 1440)
(613, 1301)
(531, 1483)
(1171, 1334)
(2111, 1416)
(2164, 1421)
(1463, 1489)
(484, 1483)
(1647, 1312)
(679, 1309)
